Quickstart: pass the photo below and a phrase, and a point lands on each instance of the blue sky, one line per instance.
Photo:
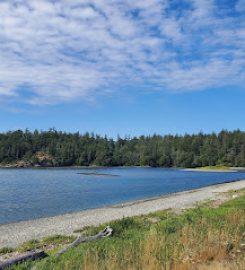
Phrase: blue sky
(122, 67)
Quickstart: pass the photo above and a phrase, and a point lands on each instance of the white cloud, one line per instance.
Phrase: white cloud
(171, 29)
(66, 50)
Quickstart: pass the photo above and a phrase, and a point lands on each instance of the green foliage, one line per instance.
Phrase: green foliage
(46, 241)
(29, 245)
(5, 250)
(57, 239)
(53, 148)
(124, 227)
(238, 203)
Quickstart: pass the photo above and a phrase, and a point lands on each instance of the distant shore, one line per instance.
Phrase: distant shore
(215, 169)
(16, 233)
(17, 166)
(196, 169)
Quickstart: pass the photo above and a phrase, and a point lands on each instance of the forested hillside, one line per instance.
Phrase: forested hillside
(53, 148)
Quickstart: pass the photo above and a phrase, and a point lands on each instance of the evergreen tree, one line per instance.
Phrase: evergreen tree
(53, 148)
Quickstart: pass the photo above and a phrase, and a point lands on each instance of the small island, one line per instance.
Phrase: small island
(98, 174)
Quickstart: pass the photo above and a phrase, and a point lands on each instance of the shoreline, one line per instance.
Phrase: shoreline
(196, 169)
(13, 234)
(211, 170)
(10, 166)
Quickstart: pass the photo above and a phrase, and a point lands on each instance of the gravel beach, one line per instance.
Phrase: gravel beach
(16, 233)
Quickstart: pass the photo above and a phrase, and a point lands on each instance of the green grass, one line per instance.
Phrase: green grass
(197, 238)
(5, 250)
(46, 242)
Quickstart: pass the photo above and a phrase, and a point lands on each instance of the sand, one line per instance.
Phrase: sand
(16, 233)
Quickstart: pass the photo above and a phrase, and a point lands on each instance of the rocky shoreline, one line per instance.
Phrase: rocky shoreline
(16, 233)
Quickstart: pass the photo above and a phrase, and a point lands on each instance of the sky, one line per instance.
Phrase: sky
(122, 67)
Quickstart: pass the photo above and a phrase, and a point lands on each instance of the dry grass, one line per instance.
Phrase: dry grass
(199, 239)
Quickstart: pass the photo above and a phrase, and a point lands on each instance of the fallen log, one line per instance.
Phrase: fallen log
(34, 255)
(106, 232)
(30, 256)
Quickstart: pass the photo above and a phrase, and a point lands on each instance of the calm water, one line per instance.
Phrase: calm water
(34, 193)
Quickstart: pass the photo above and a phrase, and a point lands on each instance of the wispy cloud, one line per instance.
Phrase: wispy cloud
(70, 49)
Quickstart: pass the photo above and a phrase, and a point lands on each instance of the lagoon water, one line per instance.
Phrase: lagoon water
(34, 193)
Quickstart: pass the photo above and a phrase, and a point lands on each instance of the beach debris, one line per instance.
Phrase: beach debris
(105, 233)
(30, 256)
(40, 254)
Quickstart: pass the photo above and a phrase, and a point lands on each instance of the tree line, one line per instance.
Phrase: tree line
(56, 148)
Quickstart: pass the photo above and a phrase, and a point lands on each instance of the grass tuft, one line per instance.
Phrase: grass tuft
(5, 250)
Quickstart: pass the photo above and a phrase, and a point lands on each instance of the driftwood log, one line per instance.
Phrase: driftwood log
(34, 255)
(30, 256)
(106, 232)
